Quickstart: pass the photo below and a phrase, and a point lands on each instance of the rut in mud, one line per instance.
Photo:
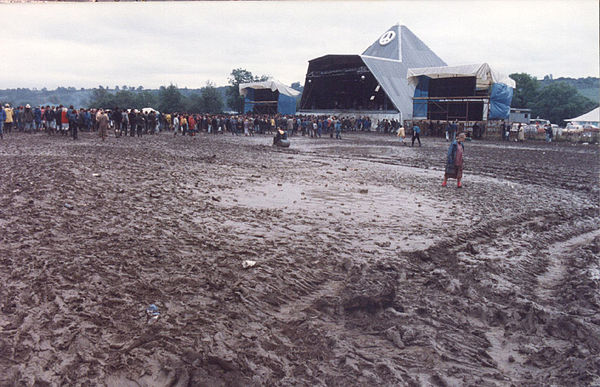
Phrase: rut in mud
(368, 272)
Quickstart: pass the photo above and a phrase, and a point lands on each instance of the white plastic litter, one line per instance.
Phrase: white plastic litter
(247, 263)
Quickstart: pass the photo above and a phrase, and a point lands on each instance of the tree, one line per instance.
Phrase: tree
(297, 86)
(145, 99)
(211, 100)
(125, 99)
(236, 77)
(526, 91)
(101, 98)
(170, 99)
(193, 103)
(559, 101)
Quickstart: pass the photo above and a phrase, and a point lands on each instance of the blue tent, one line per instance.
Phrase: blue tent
(268, 96)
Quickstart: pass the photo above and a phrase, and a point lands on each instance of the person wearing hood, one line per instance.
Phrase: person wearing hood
(28, 118)
(37, 117)
(454, 161)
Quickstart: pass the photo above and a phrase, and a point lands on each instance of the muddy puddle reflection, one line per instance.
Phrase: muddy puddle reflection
(390, 214)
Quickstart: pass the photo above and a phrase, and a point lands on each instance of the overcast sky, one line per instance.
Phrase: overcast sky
(188, 43)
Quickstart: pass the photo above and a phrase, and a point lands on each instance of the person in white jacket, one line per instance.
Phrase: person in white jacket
(175, 124)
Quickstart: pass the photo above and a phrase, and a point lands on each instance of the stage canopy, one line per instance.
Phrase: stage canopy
(268, 96)
(435, 86)
(485, 76)
(373, 81)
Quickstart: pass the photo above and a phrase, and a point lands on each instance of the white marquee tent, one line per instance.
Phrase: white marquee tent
(592, 117)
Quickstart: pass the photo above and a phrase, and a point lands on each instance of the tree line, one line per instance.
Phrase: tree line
(554, 100)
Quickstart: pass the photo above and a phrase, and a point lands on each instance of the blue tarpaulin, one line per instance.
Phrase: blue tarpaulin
(500, 101)
(422, 90)
(248, 104)
(286, 104)
(286, 96)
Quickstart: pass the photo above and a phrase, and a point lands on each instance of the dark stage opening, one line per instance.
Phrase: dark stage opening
(454, 99)
(263, 101)
(342, 82)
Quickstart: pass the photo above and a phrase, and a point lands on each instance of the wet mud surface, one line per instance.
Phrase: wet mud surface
(367, 271)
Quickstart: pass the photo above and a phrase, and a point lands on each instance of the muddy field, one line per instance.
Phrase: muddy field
(367, 271)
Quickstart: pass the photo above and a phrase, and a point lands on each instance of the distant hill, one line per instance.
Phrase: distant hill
(77, 97)
(588, 87)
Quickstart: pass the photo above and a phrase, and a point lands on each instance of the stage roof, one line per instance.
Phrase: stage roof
(486, 76)
(269, 84)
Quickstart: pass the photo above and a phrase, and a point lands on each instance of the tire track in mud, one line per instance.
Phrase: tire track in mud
(324, 305)
(517, 340)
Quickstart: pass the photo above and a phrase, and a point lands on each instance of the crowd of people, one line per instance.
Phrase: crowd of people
(132, 122)
(69, 121)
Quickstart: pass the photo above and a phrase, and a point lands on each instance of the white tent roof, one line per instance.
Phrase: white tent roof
(486, 76)
(593, 116)
(270, 84)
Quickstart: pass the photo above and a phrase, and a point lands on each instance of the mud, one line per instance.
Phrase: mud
(367, 271)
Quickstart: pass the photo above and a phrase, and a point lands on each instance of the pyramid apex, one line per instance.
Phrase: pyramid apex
(400, 44)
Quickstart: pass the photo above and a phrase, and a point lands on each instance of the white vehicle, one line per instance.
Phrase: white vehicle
(573, 128)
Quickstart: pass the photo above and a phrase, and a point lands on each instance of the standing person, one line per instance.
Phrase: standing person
(88, 120)
(548, 129)
(150, 122)
(175, 124)
(168, 121)
(215, 125)
(9, 118)
(454, 161)
(338, 129)
(290, 125)
(402, 134)
(2, 119)
(521, 133)
(28, 118)
(80, 120)
(453, 130)
(60, 117)
(50, 120)
(117, 117)
(140, 121)
(476, 130)
(184, 124)
(19, 118)
(103, 123)
(124, 122)
(192, 124)
(72, 118)
(132, 124)
(37, 117)
(246, 126)
(416, 135)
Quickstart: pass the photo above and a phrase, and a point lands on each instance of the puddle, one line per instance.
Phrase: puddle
(383, 206)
